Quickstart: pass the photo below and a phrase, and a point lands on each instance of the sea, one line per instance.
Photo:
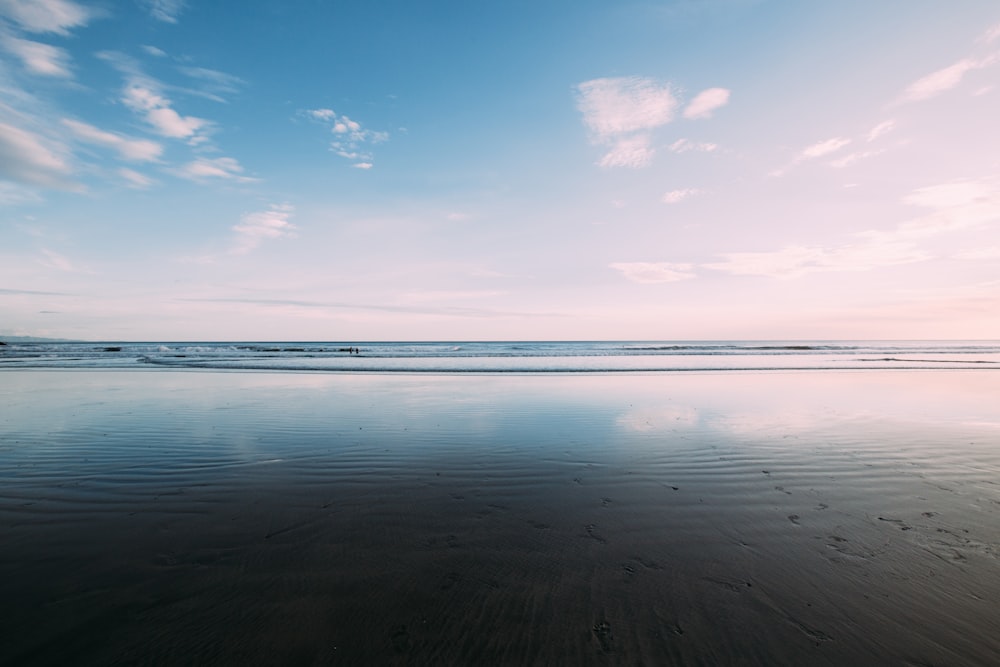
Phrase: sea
(508, 356)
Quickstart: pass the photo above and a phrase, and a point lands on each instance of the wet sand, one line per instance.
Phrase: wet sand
(701, 519)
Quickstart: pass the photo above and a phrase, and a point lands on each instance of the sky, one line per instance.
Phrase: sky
(561, 169)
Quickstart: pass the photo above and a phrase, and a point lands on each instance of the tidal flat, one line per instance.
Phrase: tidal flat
(716, 518)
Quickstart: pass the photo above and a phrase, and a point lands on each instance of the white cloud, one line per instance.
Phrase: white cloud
(794, 261)
(56, 16)
(992, 34)
(954, 207)
(254, 228)
(154, 51)
(706, 102)
(653, 272)
(137, 150)
(214, 84)
(164, 10)
(881, 129)
(142, 98)
(685, 145)
(322, 114)
(352, 141)
(621, 113)
(224, 168)
(38, 58)
(950, 195)
(633, 151)
(135, 179)
(612, 107)
(27, 158)
(840, 163)
(677, 196)
(822, 148)
(944, 79)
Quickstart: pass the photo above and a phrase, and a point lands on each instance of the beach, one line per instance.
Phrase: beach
(703, 518)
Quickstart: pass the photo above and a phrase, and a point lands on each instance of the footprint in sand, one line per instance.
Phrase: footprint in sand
(602, 630)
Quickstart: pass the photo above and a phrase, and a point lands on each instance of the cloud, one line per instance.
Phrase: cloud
(622, 113)
(25, 158)
(254, 228)
(633, 151)
(154, 51)
(677, 196)
(817, 150)
(144, 99)
(944, 79)
(224, 168)
(840, 163)
(351, 140)
(38, 58)
(164, 10)
(706, 102)
(822, 148)
(881, 129)
(37, 16)
(135, 179)
(873, 251)
(653, 272)
(685, 145)
(136, 150)
(954, 207)
(215, 84)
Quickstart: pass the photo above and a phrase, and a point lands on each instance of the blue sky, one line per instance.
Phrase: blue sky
(675, 169)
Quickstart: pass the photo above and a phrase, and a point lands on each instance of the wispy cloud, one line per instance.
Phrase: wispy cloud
(39, 58)
(254, 228)
(654, 272)
(221, 168)
(953, 207)
(881, 129)
(137, 150)
(135, 179)
(943, 79)
(144, 99)
(706, 102)
(167, 11)
(40, 16)
(28, 158)
(950, 77)
(822, 148)
(814, 151)
(686, 145)
(872, 251)
(621, 114)
(677, 196)
(351, 140)
(213, 83)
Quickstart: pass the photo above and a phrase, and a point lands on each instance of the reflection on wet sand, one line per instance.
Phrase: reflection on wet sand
(244, 518)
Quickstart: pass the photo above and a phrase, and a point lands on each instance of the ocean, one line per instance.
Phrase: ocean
(508, 357)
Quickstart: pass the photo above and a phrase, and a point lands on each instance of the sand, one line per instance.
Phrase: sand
(704, 519)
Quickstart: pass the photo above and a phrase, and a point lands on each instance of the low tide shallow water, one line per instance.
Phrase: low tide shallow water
(708, 518)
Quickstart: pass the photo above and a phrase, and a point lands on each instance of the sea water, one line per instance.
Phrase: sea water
(500, 357)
